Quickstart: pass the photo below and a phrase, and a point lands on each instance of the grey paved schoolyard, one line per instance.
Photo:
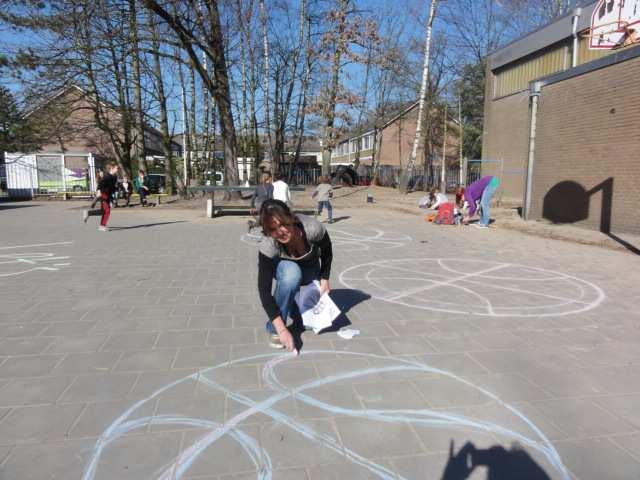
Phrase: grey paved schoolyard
(140, 353)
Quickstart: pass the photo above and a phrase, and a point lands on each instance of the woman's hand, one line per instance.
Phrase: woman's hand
(324, 286)
(286, 339)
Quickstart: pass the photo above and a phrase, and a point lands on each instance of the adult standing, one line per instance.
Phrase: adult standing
(140, 186)
(281, 189)
(482, 191)
(296, 251)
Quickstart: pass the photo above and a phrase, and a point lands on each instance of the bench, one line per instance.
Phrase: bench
(214, 210)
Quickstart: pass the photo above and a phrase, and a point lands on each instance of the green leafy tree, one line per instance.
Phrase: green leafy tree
(471, 87)
(15, 132)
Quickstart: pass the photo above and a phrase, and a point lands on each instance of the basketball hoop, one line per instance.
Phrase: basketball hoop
(614, 24)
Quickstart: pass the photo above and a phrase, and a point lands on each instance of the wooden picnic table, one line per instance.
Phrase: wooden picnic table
(213, 210)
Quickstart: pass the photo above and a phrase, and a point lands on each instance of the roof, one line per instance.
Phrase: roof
(554, 32)
(47, 100)
(385, 121)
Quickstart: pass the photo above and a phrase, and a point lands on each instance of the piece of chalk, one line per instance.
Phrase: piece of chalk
(348, 333)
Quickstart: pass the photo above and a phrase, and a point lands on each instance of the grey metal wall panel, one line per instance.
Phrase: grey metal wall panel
(554, 32)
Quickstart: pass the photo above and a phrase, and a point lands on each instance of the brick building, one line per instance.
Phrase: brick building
(561, 125)
(391, 142)
(72, 146)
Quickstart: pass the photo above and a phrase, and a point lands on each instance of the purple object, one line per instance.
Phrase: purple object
(473, 192)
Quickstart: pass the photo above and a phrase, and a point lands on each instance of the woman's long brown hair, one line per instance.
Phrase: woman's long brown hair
(277, 209)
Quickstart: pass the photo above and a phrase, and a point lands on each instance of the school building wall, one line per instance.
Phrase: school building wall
(587, 149)
(505, 141)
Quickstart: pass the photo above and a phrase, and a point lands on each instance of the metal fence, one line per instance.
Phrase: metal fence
(29, 175)
(474, 169)
(3, 181)
(389, 176)
(305, 175)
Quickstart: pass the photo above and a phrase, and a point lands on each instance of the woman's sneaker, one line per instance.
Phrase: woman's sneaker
(274, 341)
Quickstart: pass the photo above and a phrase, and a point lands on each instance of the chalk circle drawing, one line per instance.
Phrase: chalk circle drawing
(13, 264)
(351, 242)
(215, 381)
(474, 287)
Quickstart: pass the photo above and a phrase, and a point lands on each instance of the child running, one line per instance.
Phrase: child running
(107, 187)
(323, 194)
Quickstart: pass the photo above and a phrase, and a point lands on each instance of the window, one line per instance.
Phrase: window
(354, 146)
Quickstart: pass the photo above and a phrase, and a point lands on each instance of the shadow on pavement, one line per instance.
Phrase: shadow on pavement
(344, 298)
(501, 464)
(339, 219)
(4, 206)
(146, 225)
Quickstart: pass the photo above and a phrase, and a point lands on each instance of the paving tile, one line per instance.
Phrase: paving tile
(198, 357)
(370, 438)
(225, 457)
(68, 329)
(87, 363)
(597, 458)
(130, 341)
(92, 388)
(447, 392)
(581, 417)
(37, 424)
(174, 383)
(29, 366)
(98, 416)
(133, 457)
(145, 360)
(230, 336)
(24, 346)
(205, 323)
(22, 330)
(76, 344)
(629, 443)
(456, 363)
(186, 310)
(207, 405)
(406, 345)
(33, 391)
(47, 461)
(622, 406)
(237, 377)
(182, 338)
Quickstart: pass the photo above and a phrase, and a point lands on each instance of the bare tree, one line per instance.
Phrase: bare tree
(190, 36)
(408, 170)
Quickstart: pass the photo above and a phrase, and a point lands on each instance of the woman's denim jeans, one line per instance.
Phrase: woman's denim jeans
(485, 203)
(289, 277)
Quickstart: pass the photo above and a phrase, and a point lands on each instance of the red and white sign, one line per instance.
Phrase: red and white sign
(614, 23)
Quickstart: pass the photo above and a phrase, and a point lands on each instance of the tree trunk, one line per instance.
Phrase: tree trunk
(169, 167)
(266, 80)
(140, 143)
(329, 134)
(363, 106)
(408, 170)
(186, 138)
(218, 86)
(196, 158)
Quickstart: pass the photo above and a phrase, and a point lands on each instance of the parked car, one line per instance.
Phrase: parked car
(156, 182)
(344, 175)
(214, 178)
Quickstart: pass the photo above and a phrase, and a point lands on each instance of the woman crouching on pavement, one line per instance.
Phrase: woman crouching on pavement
(296, 251)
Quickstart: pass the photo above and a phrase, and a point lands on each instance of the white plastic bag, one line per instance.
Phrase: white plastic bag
(318, 311)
